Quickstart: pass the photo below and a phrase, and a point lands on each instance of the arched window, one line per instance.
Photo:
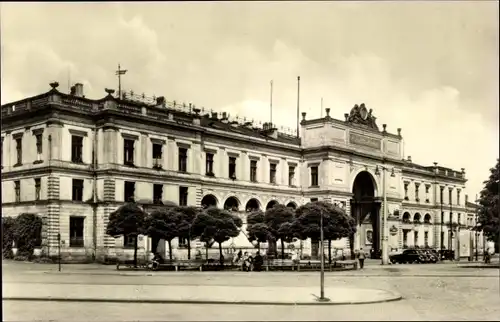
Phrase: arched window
(427, 219)
(406, 218)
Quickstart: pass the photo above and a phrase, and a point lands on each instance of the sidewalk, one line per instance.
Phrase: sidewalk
(193, 294)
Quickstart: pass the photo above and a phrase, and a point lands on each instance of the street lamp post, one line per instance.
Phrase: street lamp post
(385, 240)
(322, 258)
(385, 237)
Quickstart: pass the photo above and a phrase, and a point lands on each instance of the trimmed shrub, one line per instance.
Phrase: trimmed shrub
(7, 236)
(28, 234)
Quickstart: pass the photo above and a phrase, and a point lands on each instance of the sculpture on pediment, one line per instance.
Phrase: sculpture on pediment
(360, 115)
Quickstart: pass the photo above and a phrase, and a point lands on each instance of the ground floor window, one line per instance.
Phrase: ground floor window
(76, 228)
(426, 239)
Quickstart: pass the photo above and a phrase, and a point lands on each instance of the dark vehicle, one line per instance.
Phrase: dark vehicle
(408, 256)
(375, 254)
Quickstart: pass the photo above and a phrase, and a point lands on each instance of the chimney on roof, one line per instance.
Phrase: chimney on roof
(224, 117)
(214, 116)
(77, 90)
(409, 158)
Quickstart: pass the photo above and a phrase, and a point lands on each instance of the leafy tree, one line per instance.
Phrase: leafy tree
(163, 224)
(127, 220)
(488, 219)
(27, 233)
(336, 223)
(256, 228)
(217, 225)
(187, 214)
(8, 226)
(275, 218)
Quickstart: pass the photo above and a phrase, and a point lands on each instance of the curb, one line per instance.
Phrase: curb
(395, 297)
(388, 274)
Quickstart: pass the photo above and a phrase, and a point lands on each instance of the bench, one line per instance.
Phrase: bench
(347, 264)
(279, 264)
(129, 263)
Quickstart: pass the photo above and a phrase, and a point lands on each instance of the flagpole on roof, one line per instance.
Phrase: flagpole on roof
(119, 73)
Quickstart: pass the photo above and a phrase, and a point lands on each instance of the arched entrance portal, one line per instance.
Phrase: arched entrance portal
(292, 205)
(365, 209)
(209, 201)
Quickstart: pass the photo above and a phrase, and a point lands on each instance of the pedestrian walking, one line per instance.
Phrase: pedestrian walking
(361, 258)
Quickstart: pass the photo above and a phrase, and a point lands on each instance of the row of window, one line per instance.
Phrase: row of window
(427, 188)
(129, 191)
(415, 238)
(76, 149)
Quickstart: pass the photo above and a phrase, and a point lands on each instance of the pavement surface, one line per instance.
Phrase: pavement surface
(430, 292)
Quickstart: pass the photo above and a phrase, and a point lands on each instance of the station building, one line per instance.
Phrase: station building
(73, 160)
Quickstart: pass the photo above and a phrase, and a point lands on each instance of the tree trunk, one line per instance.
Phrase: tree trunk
(282, 249)
(221, 260)
(329, 251)
(135, 251)
(189, 248)
(206, 251)
(351, 246)
(170, 249)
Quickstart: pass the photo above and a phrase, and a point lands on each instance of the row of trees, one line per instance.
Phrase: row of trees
(209, 226)
(213, 225)
(284, 224)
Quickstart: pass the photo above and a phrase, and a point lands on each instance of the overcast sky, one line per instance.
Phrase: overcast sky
(430, 68)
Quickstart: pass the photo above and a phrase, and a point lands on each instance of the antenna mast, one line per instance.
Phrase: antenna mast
(119, 73)
(271, 102)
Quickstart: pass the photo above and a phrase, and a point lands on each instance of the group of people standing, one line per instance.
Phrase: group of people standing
(248, 262)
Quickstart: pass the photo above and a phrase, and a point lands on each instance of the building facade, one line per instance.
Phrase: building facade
(73, 160)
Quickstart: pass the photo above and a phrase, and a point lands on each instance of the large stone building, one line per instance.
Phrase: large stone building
(73, 160)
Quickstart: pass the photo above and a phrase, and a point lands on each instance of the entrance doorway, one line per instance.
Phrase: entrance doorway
(365, 209)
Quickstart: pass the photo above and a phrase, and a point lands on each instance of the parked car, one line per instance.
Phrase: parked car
(408, 256)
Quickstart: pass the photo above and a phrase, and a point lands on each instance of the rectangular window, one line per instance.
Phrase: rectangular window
(38, 186)
(129, 241)
(314, 176)
(442, 239)
(209, 166)
(450, 196)
(441, 194)
(157, 193)
(458, 197)
(76, 149)
(417, 186)
(253, 170)
(415, 238)
(182, 160)
(157, 155)
(76, 225)
(314, 199)
(77, 190)
(39, 147)
(232, 168)
(128, 151)
(183, 196)
(291, 176)
(272, 172)
(19, 149)
(129, 193)
(1, 153)
(406, 190)
(17, 189)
